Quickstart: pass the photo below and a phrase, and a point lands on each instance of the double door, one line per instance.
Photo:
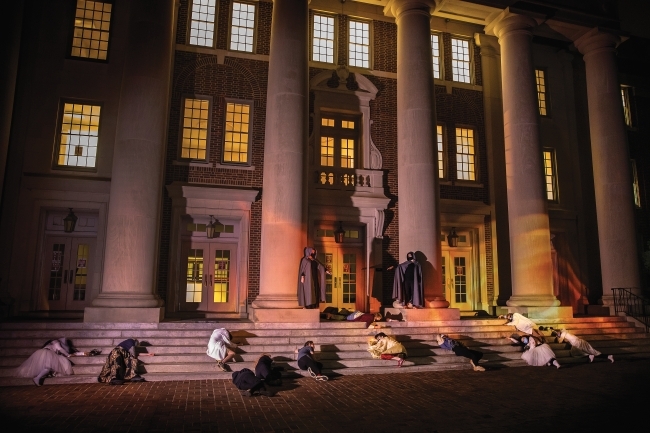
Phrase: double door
(67, 275)
(345, 282)
(457, 279)
(208, 277)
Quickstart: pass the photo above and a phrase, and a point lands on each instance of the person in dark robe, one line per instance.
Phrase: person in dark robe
(407, 285)
(311, 280)
(265, 370)
(245, 380)
(121, 364)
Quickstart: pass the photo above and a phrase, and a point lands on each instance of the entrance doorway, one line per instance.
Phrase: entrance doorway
(345, 287)
(457, 278)
(208, 276)
(66, 278)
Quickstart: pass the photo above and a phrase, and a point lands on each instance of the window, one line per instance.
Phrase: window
(550, 174)
(202, 22)
(91, 28)
(635, 185)
(359, 44)
(627, 111)
(236, 146)
(242, 27)
(465, 163)
(79, 135)
(441, 154)
(196, 120)
(338, 141)
(323, 39)
(435, 53)
(460, 60)
(542, 100)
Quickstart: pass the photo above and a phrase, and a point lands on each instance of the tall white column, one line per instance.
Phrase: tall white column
(611, 164)
(530, 240)
(417, 165)
(128, 292)
(283, 203)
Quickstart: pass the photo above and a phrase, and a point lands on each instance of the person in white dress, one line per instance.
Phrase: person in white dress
(537, 353)
(522, 324)
(220, 347)
(52, 358)
(579, 347)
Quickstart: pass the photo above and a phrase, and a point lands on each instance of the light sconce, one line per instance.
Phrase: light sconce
(452, 238)
(209, 229)
(69, 222)
(339, 234)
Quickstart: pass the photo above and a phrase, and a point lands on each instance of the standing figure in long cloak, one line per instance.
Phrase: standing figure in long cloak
(407, 285)
(311, 280)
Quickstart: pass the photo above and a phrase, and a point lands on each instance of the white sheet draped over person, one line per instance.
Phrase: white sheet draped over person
(52, 358)
(311, 280)
(220, 347)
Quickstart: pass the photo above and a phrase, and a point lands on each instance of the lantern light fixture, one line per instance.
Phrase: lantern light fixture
(452, 238)
(209, 229)
(69, 222)
(339, 233)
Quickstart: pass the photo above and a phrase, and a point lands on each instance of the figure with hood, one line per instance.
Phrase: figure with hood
(407, 285)
(121, 364)
(220, 347)
(311, 280)
(52, 358)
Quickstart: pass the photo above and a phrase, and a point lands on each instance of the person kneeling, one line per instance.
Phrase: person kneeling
(245, 380)
(460, 349)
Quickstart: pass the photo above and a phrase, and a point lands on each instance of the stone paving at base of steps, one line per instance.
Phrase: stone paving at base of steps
(576, 398)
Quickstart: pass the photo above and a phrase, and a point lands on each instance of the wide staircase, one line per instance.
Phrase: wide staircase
(179, 347)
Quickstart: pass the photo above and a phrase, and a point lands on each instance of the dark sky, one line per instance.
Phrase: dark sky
(635, 16)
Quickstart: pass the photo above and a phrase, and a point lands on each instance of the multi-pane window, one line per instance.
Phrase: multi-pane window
(435, 53)
(542, 99)
(465, 154)
(627, 111)
(338, 141)
(79, 135)
(242, 27)
(635, 185)
(91, 29)
(196, 119)
(359, 44)
(323, 39)
(236, 146)
(202, 22)
(550, 174)
(441, 154)
(460, 60)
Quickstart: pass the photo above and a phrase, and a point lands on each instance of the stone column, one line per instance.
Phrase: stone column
(611, 162)
(128, 285)
(283, 203)
(530, 239)
(417, 165)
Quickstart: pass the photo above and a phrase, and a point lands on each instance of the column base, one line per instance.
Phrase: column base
(424, 314)
(127, 300)
(533, 301)
(284, 315)
(124, 315)
(276, 302)
(543, 312)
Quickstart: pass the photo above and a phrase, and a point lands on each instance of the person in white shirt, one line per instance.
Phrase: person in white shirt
(579, 347)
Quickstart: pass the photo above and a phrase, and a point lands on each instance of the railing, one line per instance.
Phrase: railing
(346, 178)
(633, 305)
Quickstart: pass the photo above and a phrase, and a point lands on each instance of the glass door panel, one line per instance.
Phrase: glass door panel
(344, 288)
(457, 279)
(81, 274)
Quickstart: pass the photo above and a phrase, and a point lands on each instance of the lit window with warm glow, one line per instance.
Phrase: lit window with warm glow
(91, 29)
(323, 39)
(635, 185)
(435, 53)
(460, 60)
(359, 44)
(236, 146)
(242, 27)
(202, 22)
(79, 135)
(196, 115)
(441, 155)
(540, 80)
(550, 175)
(465, 154)
(338, 141)
(627, 111)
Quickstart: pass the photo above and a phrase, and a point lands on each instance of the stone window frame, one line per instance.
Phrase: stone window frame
(441, 55)
(477, 172)
(635, 184)
(255, 25)
(71, 36)
(547, 93)
(445, 162)
(189, 25)
(627, 106)
(370, 42)
(335, 41)
(470, 42)
(210, 100)
(59, 127)
(340, 134)
(251, 117)
(553, 175)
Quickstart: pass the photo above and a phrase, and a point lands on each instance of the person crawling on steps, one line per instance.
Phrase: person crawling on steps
(460, 349)
(246, 381)
(579, 347)
(381, 346)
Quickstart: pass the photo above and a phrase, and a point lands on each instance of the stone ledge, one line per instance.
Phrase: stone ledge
(124, 315)
(424, 314)
(543, 312)
(283, 315)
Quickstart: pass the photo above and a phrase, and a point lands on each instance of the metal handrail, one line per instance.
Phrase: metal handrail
(633, 305)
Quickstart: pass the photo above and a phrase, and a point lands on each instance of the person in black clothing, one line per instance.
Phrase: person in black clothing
(407, 285)
(307, 362)
(265, 370)
(459, 349)
(245, 380)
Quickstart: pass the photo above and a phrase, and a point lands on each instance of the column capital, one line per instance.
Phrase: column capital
(489, 44)
(597, 40)
(395, 8)
(507, 22)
